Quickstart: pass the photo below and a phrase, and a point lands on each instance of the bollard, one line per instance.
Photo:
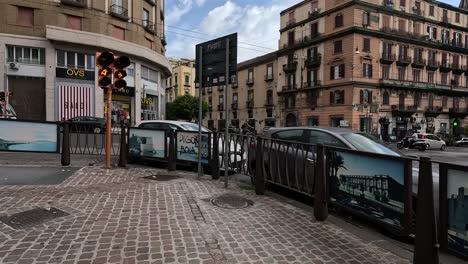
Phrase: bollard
(215, 157)
(426, 248)
(320, 192)
(260, 187)
(123, 147)
(66, 144)
(172, 152)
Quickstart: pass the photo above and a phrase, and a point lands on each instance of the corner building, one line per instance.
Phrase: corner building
(379, 66)
(48, 49)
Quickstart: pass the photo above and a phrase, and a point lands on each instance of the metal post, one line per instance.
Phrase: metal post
(320, 192)
(172, 152)
(123, 147)
(108, 128)
(226, 111)
(66, 144)
(200, 115)
(426, 247)
(215, 158)
(259, 176)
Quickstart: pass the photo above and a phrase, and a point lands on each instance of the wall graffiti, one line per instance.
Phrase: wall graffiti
(188, 146)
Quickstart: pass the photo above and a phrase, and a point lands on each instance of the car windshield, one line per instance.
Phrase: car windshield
(364, 142)
(193, 127)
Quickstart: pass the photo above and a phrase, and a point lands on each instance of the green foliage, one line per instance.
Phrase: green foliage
(185, 108)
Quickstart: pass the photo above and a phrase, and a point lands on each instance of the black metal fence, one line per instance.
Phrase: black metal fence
(90, 139)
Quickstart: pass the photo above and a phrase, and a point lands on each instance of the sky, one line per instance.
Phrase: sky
(189, 22)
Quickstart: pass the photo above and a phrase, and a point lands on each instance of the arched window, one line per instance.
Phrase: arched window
(402, 99)
(338, 20)
(386, 98)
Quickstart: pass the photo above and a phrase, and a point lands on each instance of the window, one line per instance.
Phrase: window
(269, 71)
(417, 100)
(187, 79)
(235, 98)
(444, 78)
(445, 36)
(401, 101)
(430, 77)
(25, 16)
(318, 137)
(387, 50)
(386, 98)
(431, 101)
(417, 75)
(290, 102)
(417, 28)
(70, 59)
(402, 25)
(338, 46)
(385, 72)
(250, 76)
(250, 113)
(366, 45)
(291, 37)
(401, 73)
(367, 69)
(337, 97)
(337, 72)
(338, 20)
(250, 96)
(365, 97)
(444, 101)
(457, 17)
(403, 3)
(221, 100)
(432, 33)
(149, 43)
(118, 33)
(431, 10)
(176, 79)
(269, 112)
(290, 135)
(314, 30)
(73, 22)
(366, 19)
(152, 75)
(312, 121)
(145, 17)
(25, 55)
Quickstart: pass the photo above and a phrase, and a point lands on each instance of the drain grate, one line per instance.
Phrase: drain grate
(161, 177)
(231, 201)
(32, 217)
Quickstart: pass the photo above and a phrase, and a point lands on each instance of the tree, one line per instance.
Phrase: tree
(185, 108)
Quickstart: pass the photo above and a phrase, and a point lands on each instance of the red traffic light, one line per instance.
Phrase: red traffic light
(104, 59)
(122, 62)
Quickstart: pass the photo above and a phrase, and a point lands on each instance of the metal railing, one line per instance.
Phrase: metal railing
(149, 26)
(119, 11)
(90, 139)
(77, 3)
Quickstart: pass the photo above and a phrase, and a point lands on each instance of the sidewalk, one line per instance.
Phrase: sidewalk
(116, 216)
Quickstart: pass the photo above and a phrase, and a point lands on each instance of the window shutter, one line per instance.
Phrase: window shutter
(331, 73)
(361, 97)
(369, 100)
(370, 70)
(342, 69)
(332, 97)
(342, 96)
(435, 33)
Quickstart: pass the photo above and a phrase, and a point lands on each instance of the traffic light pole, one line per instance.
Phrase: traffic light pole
(226, 110)
(109, 127)
(200, 114)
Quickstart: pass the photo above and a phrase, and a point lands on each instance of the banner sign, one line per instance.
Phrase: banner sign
(28, 136)
(146, 143)
(187, 147)
(74, 74)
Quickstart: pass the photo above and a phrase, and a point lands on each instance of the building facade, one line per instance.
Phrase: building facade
(48, 48)
(383, 67)
(182, 80)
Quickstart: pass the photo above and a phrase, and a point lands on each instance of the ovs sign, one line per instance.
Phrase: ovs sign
(74, 73)
(71, 73)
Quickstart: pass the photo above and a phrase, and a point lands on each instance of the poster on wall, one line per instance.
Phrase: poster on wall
(457, 209)
(372, 186)
(28, 136)
(187, 147)
(146, 143)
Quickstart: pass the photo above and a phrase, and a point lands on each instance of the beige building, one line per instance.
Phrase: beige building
(380, 66)
(252, 100)
(182, 80)
(49, 46)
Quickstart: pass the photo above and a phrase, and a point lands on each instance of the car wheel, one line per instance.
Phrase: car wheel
(442, 147)
(97, 130)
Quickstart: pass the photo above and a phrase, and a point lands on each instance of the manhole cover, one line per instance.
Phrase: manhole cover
(32, 217)
(162, 177)
(231, 201)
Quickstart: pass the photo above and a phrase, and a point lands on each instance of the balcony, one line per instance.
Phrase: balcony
(314, 13)
(387, 58)
(446, 19)
(234, 85)
(418, 62)
(269, 102)
(290, 22)
(250, 103)
(409, 85)
(290, 67)
(432, 65)
(234, 106)
(388, 3)
(210, 89)
(269, 77)
(418, 11)
(119, 12)
(250, 81)
(77, 3)
(445, 67)
(433, 111)
(456, 43)
(314, 61)
(403, 110)
(163, 41)
(220, 107)
(210, 108)
(288, 88)
(403, 60)
(459, 69)
(152, 2)
(457, 112)
(149, 26)
(220, 88)
(311, 85)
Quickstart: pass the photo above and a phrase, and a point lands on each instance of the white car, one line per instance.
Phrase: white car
(236, 155)
(462, 142)
(432, 141)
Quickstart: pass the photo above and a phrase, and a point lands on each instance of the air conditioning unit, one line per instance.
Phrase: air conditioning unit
(14, 66)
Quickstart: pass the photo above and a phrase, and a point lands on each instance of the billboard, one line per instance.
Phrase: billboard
(146, 143)
(214, 61)
(28, 136)
(187, 147)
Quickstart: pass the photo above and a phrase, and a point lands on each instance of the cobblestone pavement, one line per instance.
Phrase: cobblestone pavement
(116, 216)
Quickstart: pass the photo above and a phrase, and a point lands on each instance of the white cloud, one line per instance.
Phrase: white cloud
(180, 8)
(200, 2)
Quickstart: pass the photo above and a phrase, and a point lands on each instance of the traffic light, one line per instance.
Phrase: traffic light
(120, 73)
(104, 61)
(455, 123)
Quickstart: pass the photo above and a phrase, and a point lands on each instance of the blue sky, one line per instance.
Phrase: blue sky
(189, 22)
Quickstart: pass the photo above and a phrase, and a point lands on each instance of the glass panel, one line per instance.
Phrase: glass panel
(18, 54)
(71, 59)
(35, 56)
(60, 58)
(26, 55)
(42, 56)
(11, 53)
(81, 60)
(90, 62)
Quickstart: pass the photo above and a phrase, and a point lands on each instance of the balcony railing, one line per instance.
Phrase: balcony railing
(445, 19)
(220, 87)
(290, 21)
(149, 26)
(403, 60)
(119, 12)
(404, 108)
(412, 85)
(210, 89)
(310, 85)
(289, 88)
(220, 107)
(418, 62)
(250, 104)
(445, 66)
(290, 67)
(151, 2)
(434, 109)
(77, 3)
(432, 65)
(314, 12)
(314, 61)
(269, 102)
(418, 11)
(387, 58)
(234, 106)
(269, 77)
(250, 81)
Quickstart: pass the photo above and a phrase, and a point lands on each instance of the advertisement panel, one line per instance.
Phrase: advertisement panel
(373, 186)
(146, 143)
(28, 136)
(187, 147)
(457, 211)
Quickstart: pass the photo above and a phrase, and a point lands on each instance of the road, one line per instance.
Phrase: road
(455, 155)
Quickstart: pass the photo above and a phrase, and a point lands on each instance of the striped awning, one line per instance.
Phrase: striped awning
(75, 100)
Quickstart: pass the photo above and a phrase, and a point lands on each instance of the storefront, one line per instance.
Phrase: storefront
(121, 106)
(28, 99)
(149, 107)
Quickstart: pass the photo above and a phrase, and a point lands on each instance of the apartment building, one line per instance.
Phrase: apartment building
(380, 66)
(49, 46)
(182, 80)
(252, 99)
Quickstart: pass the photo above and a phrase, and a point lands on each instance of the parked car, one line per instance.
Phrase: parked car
(431, 141)
(236, 156)
(92, 124)
(462, 142)
(7, 112)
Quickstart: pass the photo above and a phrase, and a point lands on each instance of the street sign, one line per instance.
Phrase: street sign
(214, 61)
